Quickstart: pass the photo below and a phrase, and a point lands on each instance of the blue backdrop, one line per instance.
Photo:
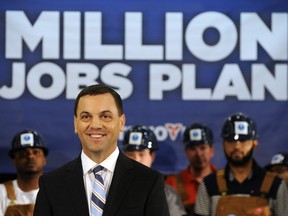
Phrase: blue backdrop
(173, 63)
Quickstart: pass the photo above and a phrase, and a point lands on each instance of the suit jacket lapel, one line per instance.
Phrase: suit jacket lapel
(75, 185)
(118, 188)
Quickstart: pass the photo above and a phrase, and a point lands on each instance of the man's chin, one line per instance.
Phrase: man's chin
(238, 162)
(199, 167)
(235, 161)
(31, 172)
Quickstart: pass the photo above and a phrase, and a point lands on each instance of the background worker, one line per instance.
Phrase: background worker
(198, 141)
(279, 165)
(140, 144)
(243, 187)
(28, 152)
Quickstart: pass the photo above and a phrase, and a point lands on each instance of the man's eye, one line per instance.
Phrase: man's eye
(36, 152)
(85, 117)
(203, 148)
(106, 116)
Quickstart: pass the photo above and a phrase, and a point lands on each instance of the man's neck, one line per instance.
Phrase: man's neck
(199, 174)
(28, 183)
(241, 172)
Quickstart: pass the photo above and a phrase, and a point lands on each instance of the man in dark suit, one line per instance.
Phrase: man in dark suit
(130, 187)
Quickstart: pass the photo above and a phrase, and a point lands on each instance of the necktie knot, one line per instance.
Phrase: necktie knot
(97, 169)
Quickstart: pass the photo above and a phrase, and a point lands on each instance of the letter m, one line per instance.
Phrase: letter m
(19, 29)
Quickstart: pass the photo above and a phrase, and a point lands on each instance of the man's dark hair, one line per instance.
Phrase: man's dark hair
(96, 90)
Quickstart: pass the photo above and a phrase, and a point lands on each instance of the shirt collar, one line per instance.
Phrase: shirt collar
(255, 171)
(232, 177)
(109, 163)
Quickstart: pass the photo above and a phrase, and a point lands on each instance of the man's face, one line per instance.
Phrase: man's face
(239, 153)
(98, 125)
(199, 156)
(29, 161)
(281, 171)
(145, 156)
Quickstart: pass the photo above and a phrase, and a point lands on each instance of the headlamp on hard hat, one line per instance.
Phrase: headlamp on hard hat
(27, 139)
(239, 127)
(139, 138)
(197, 134)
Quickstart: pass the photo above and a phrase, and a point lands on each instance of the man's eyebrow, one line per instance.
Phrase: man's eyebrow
(84, 112)
(105, 111)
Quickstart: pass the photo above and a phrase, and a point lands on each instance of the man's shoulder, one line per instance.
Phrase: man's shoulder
(2, 190)
(12, 183)
(275, 184)
(62, 170)
(210, 183)
(139, 170)
(142, 169)
(182, 174)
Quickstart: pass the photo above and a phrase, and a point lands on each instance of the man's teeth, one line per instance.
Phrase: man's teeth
(96, 135)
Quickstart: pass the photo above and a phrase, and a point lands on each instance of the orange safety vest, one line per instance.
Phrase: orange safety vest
(16, 209)
(243, 206)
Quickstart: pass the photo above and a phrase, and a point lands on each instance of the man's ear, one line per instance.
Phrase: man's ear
(153, 154)
(255, 143)
(122, 122)
(75, 128)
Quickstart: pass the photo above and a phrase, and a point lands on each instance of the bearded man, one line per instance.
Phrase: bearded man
(243, 187)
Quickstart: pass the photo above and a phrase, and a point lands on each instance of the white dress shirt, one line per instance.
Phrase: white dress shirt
(107, 173)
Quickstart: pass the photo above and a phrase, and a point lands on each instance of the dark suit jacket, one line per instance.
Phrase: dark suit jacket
(135, 190)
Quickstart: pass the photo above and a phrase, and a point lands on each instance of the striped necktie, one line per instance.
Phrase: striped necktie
(98, 197)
